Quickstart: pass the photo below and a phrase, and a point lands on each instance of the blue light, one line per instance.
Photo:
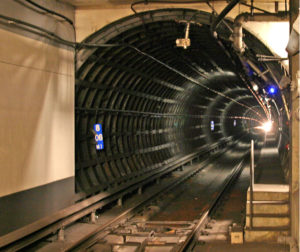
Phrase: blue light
(212, 125)
(272, 90)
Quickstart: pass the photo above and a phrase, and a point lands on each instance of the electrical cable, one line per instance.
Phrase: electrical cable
(227, 25)
(56, 38)
(224, 22)
(58, 15)
(145, 113)
(157, 2)
(50, 35)
(162, 2)
(248, 87)
(13, 21)
(190, 78)
(213, 26)
(256, 8)
(51, 12)
(222, 15)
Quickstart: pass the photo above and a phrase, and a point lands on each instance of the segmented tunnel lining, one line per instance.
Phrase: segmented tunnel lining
(150, 114)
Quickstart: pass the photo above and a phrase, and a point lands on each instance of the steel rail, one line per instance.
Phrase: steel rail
(33, 232)
(95, 235)
(187, 245)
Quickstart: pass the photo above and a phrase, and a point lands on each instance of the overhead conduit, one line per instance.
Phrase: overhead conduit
(257, 17)
(156, 102)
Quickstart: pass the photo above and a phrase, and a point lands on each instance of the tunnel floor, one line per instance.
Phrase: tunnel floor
(182, 205)
(250, 247)
(269, 169)
(232, 210)
(193, 198)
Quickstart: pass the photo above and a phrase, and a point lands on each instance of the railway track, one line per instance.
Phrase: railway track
(139, 222)
(137, 232)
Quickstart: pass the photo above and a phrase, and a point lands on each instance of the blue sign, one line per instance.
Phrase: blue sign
(98, 136)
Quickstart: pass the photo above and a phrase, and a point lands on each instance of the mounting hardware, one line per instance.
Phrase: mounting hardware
(61, 234)
(120, 202)
(140, 190)
(184, 42)
(93, 217)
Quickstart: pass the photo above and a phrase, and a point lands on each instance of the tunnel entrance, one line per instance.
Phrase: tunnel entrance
(157, 102)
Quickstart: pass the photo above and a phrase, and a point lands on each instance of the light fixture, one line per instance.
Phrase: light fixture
(255, 87)
(267, 126)
(212, 125)
(184, 42)
(272, 90)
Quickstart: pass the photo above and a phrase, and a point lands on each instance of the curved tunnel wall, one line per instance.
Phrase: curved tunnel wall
(152, 114)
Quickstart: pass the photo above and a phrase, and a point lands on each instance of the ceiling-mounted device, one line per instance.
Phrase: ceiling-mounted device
(184, 42)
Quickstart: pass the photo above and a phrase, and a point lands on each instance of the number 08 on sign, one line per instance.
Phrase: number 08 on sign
(98, 136)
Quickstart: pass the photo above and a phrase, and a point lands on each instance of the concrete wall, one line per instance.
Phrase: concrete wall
(36, 126)
(36, 108)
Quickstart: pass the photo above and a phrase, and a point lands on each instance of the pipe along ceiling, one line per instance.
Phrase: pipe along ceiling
(158, 102)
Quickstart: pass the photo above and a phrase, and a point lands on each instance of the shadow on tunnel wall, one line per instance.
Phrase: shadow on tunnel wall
(155, 111)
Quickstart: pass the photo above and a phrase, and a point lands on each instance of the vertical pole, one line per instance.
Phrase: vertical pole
(251, 182)
(61, 234)
(252, 163)
(120, 202)
(93, 217)
(140, 190)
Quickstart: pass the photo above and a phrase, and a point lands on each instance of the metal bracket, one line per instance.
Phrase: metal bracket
(120, 202)
(93, 217)
(184, 42)
(140, 190)
(61, 234)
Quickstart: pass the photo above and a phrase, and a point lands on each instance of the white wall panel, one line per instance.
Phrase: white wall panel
(36, 113)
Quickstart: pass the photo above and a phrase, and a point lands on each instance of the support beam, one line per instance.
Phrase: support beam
(294, 134)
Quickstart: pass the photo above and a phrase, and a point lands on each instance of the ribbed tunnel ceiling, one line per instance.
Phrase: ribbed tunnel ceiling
(156, 104)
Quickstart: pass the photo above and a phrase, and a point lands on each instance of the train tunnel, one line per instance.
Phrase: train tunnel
(104, 113)
(158, 102)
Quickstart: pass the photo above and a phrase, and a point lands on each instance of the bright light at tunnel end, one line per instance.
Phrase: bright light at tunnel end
(267, 126)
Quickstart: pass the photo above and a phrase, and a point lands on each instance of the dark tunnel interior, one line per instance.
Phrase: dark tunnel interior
(158, 103)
